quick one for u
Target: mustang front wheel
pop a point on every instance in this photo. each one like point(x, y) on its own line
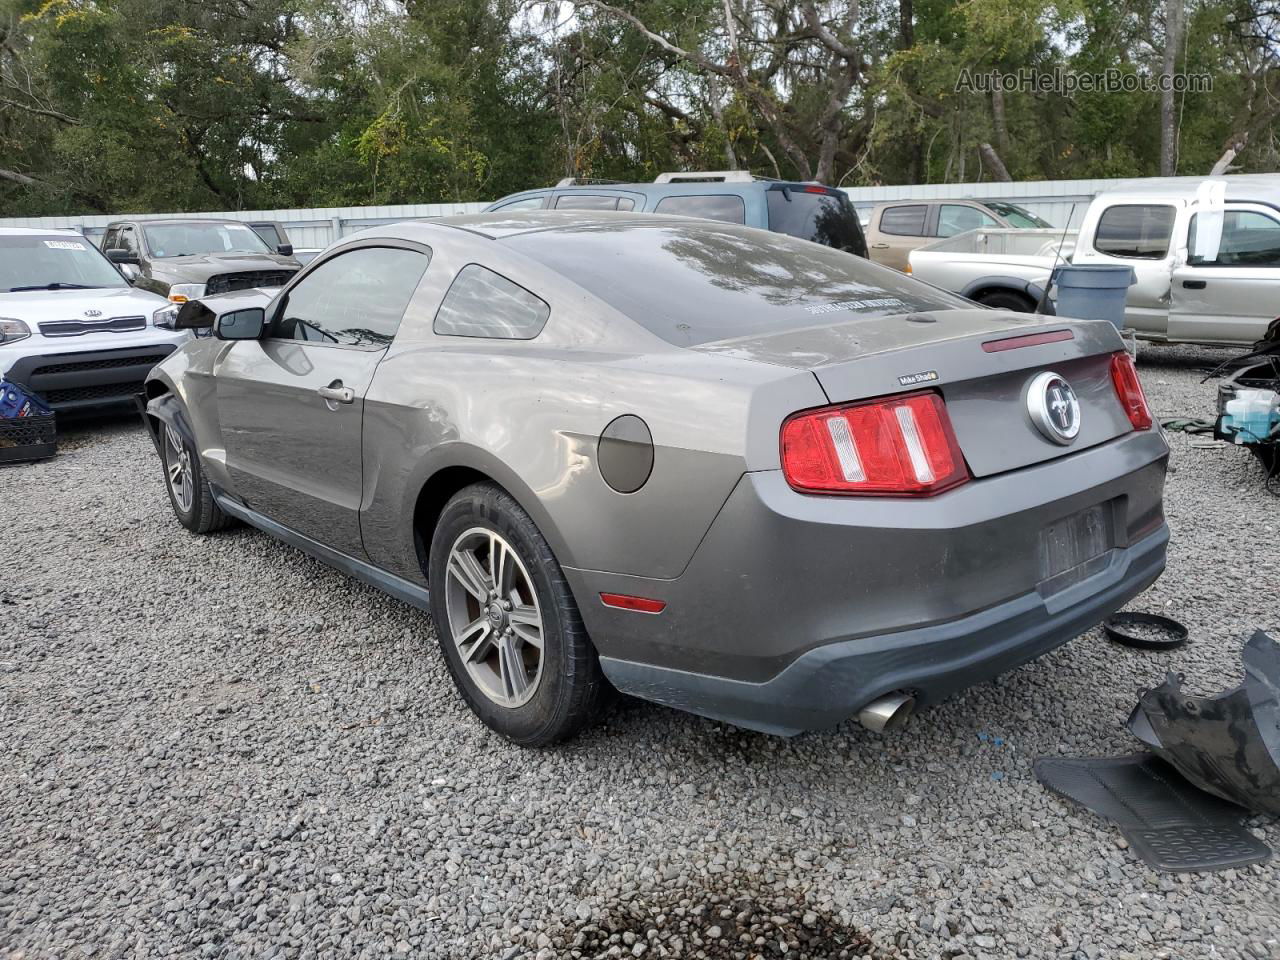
point(189, 492)
point(507, 623)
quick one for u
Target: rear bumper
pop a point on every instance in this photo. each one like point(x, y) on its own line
point(830, 683)
point(795, 611)
point(73, 381)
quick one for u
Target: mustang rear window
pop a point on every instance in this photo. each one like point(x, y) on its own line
point(703, 282)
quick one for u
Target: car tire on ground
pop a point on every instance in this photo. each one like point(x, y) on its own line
point(189, 491)
point(507, 623)
point(1006, 300)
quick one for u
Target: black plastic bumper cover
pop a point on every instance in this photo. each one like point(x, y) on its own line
point(1228, 745)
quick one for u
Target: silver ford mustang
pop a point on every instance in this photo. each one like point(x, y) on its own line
point(721, 469)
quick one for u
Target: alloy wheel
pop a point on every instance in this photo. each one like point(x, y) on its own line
point(495, 619)
point(178, 468)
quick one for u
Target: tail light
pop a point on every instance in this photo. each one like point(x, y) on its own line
point(898, 446)
point(1125, 377)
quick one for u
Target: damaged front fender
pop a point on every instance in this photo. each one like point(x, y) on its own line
point(161, 411)
point(1229, 744)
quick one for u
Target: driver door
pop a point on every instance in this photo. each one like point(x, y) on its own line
point(1231, 294)
point(291, 403)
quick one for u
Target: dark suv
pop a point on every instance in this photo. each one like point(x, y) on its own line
point(191, 258)
point(810, 211)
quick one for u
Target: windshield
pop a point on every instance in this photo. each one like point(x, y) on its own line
point(186, 239)
point(817, 214)
point(1017, 216)
point(700, 282)
point(35, 262)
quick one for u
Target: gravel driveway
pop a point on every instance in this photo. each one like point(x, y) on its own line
point(219, 747)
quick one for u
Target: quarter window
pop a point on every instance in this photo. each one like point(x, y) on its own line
point(726, 207)
point(904, 221)
point(1136, 231)
point(1249, 239)
point(355, 299)
point(956, 218)
point(481, 303)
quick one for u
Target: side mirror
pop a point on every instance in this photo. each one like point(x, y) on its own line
point(130, 271)
point(285, 249)
point(121, 255)
point(240, 324)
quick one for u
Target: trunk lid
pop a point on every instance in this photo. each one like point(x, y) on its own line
point(952, 352)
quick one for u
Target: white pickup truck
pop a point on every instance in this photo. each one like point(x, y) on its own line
point(1206, 256)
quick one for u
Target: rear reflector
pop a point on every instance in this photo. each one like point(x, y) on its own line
point(1129, 389)
point(640, 604)
point(1029, 340)
point(898, 446)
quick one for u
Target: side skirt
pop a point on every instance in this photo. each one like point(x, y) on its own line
point(397, 587)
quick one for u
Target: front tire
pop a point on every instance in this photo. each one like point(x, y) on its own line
point(507, 623)
point(1007, 300)
point(189, 491)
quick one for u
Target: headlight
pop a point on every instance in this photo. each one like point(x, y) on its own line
point(166, 316)
point(11, 331)
point(182, 292)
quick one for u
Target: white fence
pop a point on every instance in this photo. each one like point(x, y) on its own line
point(1061, 202)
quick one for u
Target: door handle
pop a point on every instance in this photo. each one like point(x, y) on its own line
point(879, 246)
point(1194, 284)
point(337, 393)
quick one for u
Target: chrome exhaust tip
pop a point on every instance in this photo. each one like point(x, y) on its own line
point(888, 713)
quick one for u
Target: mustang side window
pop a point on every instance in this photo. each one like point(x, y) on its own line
point(355, 299)
point(481, 303)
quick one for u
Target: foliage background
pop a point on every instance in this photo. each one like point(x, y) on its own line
point(161, 105)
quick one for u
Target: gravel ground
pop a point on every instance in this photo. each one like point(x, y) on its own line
point(219, 747)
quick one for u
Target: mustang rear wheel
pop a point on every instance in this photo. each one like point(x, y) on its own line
point(507, 623)
point(189, 492)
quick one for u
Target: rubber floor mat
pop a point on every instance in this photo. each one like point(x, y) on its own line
point(1172, 825)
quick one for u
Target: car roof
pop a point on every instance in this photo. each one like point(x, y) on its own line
point(148, 221)
point(1264, 187)
point(38, 232)
point(500, 224)
point(972, 201)
point(681, 188)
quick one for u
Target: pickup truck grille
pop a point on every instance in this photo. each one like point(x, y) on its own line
point(228, 282)
point(78, 328)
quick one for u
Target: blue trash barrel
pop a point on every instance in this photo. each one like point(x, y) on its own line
point(1089, 292)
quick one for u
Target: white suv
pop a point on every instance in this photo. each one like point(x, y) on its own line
point(72, 329)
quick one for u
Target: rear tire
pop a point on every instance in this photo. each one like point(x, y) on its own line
point(512, 637)
point(1006, 300)
point(189, 491)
